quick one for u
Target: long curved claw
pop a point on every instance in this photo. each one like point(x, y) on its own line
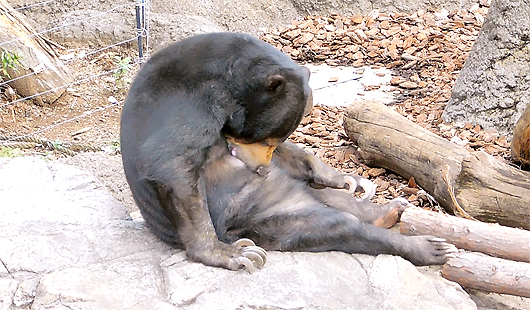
point(256, 249)
point(355, 182)
point(450, 250)
point(369, 189)
point(352, 184)
point(252, 257)
point(247, 263)
point(255, 258)
point(244, 242)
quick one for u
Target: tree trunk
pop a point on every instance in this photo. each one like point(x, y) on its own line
point(493, 88)
point(500, 241)
point(472, 184)
point(521, 138)
point(479, 271)
point(38, 60)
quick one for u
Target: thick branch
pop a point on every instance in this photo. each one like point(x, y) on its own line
point(472, 183)
point(500, 241)
point(479, 271)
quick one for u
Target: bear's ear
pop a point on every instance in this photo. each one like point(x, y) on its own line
point(276, 83)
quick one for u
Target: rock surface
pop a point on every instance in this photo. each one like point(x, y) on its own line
point(112, 21)
point(66, 242)
point(493, 88)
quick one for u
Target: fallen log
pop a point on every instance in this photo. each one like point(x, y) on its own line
point(479, 271)
point(472, 184)
point(500, 241)
point(40, 71)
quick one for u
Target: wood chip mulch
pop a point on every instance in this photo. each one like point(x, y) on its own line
point(425, 50)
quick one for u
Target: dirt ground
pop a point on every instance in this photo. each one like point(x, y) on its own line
point(85, 113)
point(425, 70)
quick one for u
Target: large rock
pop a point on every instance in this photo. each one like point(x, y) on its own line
point(493, 88)
point(66, 243)
point(112, 21)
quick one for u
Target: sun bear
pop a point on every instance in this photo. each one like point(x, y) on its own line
point(203, 141)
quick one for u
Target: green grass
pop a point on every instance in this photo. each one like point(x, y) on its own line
point(10, 152)
point(8, 61)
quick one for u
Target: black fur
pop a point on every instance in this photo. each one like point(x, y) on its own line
point(192, 192)
point(281, 211)
point(183, 101)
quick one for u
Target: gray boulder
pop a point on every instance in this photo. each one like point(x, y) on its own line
point(108, 22)
point(493, 88)
point(67, 243)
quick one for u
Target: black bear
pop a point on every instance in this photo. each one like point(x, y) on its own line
point(203, 135)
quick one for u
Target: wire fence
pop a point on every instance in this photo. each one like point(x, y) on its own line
point(100, 80)
point(34, 5)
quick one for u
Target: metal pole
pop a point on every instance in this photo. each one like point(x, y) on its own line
point(139, 30)
point(145, 24)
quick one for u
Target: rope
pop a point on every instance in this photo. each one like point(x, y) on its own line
point(33, 142)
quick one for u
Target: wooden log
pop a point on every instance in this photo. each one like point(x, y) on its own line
point(520, 147)
point(500, 241)
point(471, 184)
point(38, 60)
point(479, 271)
